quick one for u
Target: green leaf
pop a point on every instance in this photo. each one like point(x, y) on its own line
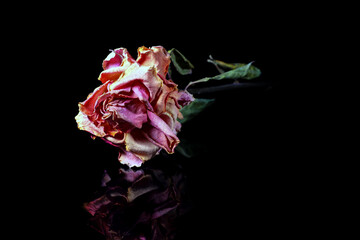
point(182, 65)
point(244, 71)
point(194, 108)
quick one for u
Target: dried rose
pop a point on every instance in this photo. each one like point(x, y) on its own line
point(137, 107)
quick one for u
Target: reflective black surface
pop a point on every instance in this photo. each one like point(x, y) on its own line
point(235, 185)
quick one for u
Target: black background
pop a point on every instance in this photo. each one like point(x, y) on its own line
point(238, 187)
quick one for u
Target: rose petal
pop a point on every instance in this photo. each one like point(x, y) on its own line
point(116, 57)
point(116, 140)
point(160, 133)
point(156, 56)
point(140, 91)
point(146, 75)
point(89, 104)
point(129, 159)
point(85, 124)
point(115, 64)
point(159, 102)
point(111, 74)
point(137, 143)
point(133, 112)
point(185, 98)
point(172, 109)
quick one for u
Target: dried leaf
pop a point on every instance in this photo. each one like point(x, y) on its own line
point(244, 71)
point(194, 108)
point(181, 63)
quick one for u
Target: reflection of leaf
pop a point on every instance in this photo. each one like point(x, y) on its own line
point(190, 149)
point(185, 149)
point(245, 71)
point(194, 108)
point(182, 65)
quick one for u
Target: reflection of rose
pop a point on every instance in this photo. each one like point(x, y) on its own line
point(136, 108)
point(142, 204)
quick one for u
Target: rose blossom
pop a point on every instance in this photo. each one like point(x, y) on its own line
point(136, 108)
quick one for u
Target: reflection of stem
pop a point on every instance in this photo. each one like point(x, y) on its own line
point(225, 87)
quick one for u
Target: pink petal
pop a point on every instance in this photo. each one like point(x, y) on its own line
point(160, 133)
point(129, 159)
point(115, 58)
point(85, 124)
point(115, 64)
point(141, 92)
point(88, 105)
point(185, 98)
point(135, 73)
point(116, 141)
point(159, 102)
point(137, 143)
point(111, 74)
point(156, 56)
point(172, 110)
point(131, 111)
